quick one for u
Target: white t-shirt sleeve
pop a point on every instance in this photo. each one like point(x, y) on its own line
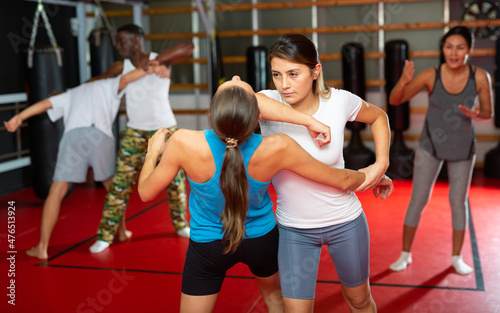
point(273, 94)
point(352, 103)
point(60, 103)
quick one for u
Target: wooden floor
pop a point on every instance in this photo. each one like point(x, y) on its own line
point(144, 274)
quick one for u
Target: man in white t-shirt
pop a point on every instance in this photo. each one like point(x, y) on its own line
point(88, 112)
point(148, 109)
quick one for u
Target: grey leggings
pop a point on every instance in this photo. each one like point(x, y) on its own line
point(425, 173)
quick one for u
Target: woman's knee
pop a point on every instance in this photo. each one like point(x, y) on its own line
point(358, 297)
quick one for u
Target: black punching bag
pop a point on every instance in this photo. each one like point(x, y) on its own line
point(492, 158)
point(102, 51)
point(256, 68)
point(44, 76)
point(400, 156)
point(356, 155)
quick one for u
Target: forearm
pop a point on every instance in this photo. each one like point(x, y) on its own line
point(486, 107)
point(114, 70)
point(35, 109)
point(131, 76)
point(381, 137)
point(294, 158)
point(484, 115)
point(396, 94)
point(145, 188)
point(175, 54)
point(485, 96)
point(354, 180)
point(273, 110)
point(343, 179)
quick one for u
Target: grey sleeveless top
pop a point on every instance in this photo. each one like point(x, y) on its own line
point(448, 134)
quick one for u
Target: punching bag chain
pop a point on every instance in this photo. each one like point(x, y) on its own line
point(40, 10)
point(102, 22)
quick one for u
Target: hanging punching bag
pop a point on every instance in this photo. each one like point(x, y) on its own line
point(497, 85)
point(102, 50)
point(257, 70)
point(356, 155)
point(400, 157)
point(492, 158)
point(256, 67)
point(44, 76)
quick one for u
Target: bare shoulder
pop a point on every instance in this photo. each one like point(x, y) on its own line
point(273, 145)
point(187, 136)
point(276, 141)
point(482, 77)
point(268, 157)
point(429, 73)
point(426, 78)
point(190, 141)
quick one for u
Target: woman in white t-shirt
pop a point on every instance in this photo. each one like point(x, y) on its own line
point(311, 215)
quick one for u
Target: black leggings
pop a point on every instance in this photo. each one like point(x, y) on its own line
point(206, 264)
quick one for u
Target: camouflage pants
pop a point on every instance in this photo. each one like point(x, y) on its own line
point(128, 164)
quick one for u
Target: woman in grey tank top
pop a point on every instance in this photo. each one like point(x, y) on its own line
point(448, 135)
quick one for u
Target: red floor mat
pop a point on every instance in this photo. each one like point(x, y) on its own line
point(144, 274)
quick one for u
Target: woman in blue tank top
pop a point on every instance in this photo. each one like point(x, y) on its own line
point(230, 169)
point(448, 135)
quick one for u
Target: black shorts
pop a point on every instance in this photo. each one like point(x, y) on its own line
point(206, 264)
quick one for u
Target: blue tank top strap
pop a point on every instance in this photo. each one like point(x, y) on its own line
point(219, 148)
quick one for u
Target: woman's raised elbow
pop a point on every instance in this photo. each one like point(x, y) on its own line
point(144, 194)
point(394, 101)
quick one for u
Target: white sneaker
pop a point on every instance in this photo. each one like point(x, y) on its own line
point(460, 266)
point(403, 261)
point(99, 246)
point(184, 232)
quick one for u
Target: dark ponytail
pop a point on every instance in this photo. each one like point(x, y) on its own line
point(234, 116)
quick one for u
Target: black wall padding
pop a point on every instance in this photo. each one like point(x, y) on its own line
point(44, 78)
